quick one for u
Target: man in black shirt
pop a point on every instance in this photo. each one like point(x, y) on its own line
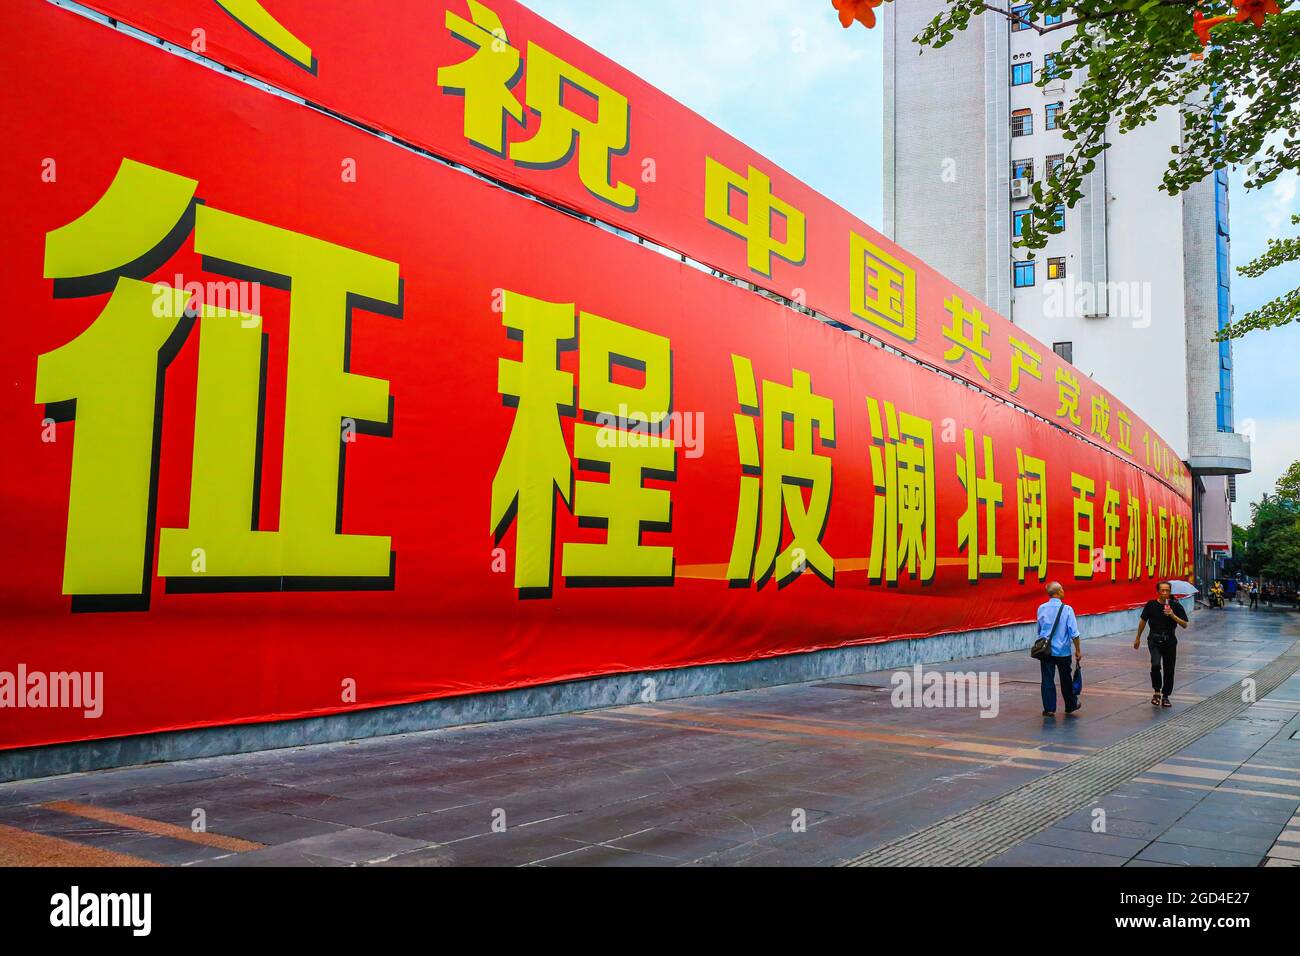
point(1164, 615)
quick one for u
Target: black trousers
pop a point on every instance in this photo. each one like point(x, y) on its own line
point(1164, 655)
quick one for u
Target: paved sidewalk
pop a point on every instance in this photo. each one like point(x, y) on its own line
point(802, 774)
point(1230, 799)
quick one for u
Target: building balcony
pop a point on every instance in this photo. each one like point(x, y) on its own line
point(1219, 453)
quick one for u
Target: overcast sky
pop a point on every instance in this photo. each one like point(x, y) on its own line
point(782, 76)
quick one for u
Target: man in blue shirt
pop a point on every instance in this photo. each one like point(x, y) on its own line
point(1057, 619)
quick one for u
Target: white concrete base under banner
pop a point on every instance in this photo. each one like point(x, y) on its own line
point(610, 691)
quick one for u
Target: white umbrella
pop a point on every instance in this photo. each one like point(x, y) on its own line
point(1182, 589)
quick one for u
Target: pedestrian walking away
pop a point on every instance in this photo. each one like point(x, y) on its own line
point(1056, 620)
point(1163, 616)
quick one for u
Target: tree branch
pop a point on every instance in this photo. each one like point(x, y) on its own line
point(1083, 18)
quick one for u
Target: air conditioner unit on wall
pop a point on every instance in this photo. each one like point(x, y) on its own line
point(1020, 188)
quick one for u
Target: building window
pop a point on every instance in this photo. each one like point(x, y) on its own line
point(1018, 220)
point(1053, 111)
point(1065, 350)
point(1021, 16)
point(1223, 398)
point(1052, 19)
point(1022, 169)
point(1022, 122)
point(1056, 267)
point(1022, 73)
point(1223, 409)
point(1222, 259)
point(1049, 66)
point(1023, 274)
point(1059, 218)
point(1054, 163)
point(1221, 201)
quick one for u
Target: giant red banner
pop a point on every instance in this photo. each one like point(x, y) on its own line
point(299, 421)
point(490, 84)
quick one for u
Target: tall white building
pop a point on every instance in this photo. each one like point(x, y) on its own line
point(1137, 284)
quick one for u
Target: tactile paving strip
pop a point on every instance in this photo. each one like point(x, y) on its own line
point(973, 837)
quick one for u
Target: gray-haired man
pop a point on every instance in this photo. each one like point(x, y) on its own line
point(1057, 619)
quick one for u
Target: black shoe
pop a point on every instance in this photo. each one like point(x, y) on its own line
point(1069, 711)
point(1049, 713)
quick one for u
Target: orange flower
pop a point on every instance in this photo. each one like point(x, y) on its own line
point(861, 10)
point(1255, 10)
point(1202, 27)
point(1252, 11)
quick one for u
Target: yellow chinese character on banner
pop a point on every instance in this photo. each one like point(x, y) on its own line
point(902, 467)
point(1110, 550)
point(988, 491)
point(1125, 439)
point(882, 288)
point(625, 445)
point(487, 79)
point(327, 281)
point(1100, 426)
point(1134, 542)
point(966, 342)
point(1184, 546)
point(757, 228)
point(1181, 542)
point(110, 376)
point(1175, 545)
point(1023, 358)
point(1152, 539)
point(1067, 390)
point(597, 140)
point(1031, 513)
point(771, 487)
point(1164, 542)
point(1084, 523)
point(535, 465)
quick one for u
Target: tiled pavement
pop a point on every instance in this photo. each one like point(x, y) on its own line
point(1230, 799)
point(803, 774)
